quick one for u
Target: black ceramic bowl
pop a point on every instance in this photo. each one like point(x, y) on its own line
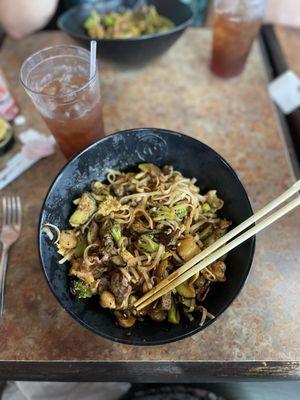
point(125, 150)
point(133, 51)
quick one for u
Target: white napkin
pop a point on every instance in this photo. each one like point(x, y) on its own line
point(285, 91)
point(35, 146)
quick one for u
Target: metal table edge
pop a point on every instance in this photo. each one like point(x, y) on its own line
point(149, 371)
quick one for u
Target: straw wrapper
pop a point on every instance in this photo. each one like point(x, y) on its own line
point(35, 146)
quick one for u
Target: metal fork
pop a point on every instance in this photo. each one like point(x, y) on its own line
point(11, 228)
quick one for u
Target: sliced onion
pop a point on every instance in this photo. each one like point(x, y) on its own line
point(66, 257)
point(205, 314)
point(86, 250)
point(47, 230)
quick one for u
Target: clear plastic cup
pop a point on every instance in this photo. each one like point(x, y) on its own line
point(236, 23)
point(57, 81)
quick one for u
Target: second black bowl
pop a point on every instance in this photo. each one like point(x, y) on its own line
point(134, 51)
point(123, 151)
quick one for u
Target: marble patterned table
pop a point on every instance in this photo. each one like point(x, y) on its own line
point(258, 336)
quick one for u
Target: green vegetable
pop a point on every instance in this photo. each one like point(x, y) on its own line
point(164, 214)
point(206, 233)
point(81, 290)
point(116, 232)
point(85, 209)
point(181, 212)
point(127, 23)
point(206, 207)
point(151, 168)
point(186, 289)
point(108, 20)
point(147, 243)
point(99, 189)
point(80, 247)
point(93, 19)
point(173, 314)
point(165, 22)
point(118, 261)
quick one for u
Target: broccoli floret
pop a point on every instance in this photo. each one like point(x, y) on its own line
point(164, 214)
point(181, 212)
point(147, 243)
point(116, 232)
point(108, 20)
point(92, 20)
point(81, 290)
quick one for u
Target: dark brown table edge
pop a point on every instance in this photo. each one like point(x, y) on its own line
point(149, 371)
point(275, 65)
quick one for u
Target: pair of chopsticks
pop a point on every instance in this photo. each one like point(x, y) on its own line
point(220, 248)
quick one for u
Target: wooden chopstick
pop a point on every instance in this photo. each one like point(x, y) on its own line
point(223, 240)
point(189, 269)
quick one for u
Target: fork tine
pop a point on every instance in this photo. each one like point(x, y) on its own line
point(19, 211)
point(7, 202)
point(9, 210)
point(4, 211)
point(14, 210)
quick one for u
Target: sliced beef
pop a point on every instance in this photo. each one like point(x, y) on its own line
point(165, 301)
point(104, 283)
point(119, 285)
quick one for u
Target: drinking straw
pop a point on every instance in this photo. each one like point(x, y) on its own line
point(93, 53)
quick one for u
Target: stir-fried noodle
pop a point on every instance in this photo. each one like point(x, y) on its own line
point(131, 233)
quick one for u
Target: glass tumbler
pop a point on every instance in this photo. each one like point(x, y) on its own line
point(57, 81)
point(236, 23)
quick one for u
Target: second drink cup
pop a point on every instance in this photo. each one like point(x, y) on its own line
point(236, 23)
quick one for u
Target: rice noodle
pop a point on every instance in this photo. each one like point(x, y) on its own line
point(125, 273)
point(157, 258)
point(146, 277)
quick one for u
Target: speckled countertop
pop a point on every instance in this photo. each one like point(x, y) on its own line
point(235, 118)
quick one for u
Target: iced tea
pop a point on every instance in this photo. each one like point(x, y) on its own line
point(57, 80)
point(234, 31)
point(77, 126)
